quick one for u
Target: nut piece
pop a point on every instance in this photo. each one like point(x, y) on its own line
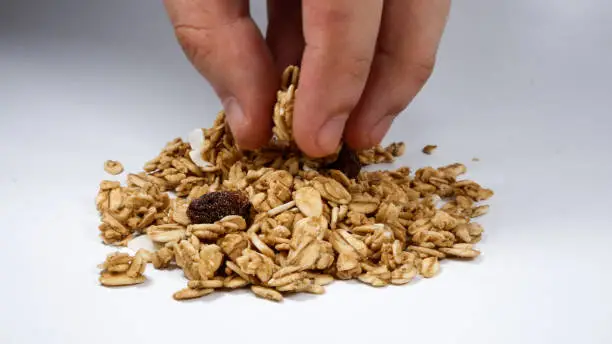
point(113, 167)
point(267, 293)
point(429, 149)
point(214, 206)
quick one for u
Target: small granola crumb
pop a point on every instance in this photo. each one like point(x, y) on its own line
point(121, 269)
point(113, 167)
point(429, 149)
point(475, 159)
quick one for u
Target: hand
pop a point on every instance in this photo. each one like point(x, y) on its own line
point(362, 62)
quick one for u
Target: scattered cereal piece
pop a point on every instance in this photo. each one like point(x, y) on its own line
point(429, 149)
point(267, 293)
point(113, 167)
point(120, 269)
point(347, 162)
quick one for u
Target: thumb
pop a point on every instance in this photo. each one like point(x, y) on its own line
point(227, 48)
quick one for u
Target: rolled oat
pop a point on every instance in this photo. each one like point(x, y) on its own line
point(281, 222)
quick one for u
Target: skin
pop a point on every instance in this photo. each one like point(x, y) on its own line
point(362, 62)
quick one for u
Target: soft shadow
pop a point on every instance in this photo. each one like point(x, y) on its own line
point(147, 283)
point(301, 296)
point(212, 297)
point(474, 261)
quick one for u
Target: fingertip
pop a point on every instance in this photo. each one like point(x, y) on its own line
point(380, 130)
point(248, 133)
point(325, 140)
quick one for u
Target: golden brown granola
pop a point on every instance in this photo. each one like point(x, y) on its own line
point(120, 269)
point(308, 224)
point(429, 149)
point(113, 167)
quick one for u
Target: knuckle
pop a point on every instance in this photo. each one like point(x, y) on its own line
point(421, 70)
point(398, 105)
point(413, 77)
point(358, 67)
point(330, 16)
point(194, 42)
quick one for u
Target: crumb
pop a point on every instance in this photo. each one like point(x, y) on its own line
point(113, 167)
point(429, 149)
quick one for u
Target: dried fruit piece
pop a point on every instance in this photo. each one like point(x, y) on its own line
point(113, 167)
point(214, 206)
point(347, 162)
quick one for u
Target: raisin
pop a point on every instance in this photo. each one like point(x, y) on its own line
point(214, 206)
point(347, 162)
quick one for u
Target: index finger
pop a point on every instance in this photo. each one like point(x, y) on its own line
point(340, 41)
point(226, 47)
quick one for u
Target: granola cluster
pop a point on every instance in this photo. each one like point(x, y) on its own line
point(279, 222)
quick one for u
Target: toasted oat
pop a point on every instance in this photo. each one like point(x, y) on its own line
point(121, 269)
point(308, 201)
point(267, 293)
point(429, 149)
point(110, 279)
point(461, 250)
point(188, 293)
point(113, 167)
point(430, 267)
point(296, 223)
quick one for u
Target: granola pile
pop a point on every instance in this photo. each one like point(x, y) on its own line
point(279, 222)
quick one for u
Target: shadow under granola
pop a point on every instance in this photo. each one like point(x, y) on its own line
point(454, 260)
point(300, 297)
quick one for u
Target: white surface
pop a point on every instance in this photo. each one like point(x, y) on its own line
point(522, 85)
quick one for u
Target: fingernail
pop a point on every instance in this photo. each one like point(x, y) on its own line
point(233, 112)
point(330, 134)
point(380, 130)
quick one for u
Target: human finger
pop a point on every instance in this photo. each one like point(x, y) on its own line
point(407, 44)
point(227, 48)
point(340, 39)
point(284, 34)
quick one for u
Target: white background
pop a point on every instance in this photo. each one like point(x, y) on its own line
point(523, 85)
